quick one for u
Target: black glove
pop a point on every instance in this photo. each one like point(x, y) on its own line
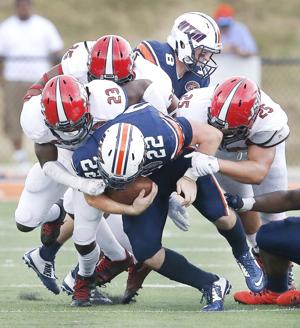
point(234, 201)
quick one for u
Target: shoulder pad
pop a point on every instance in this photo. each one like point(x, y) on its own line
point(269, 138)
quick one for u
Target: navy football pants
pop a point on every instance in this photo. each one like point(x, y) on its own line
point(281, 238)
point(145, 231)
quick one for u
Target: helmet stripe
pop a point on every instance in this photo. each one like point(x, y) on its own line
point(59, 103)
point(109, 57)
point(227, 102)
point(116, 152)
point(213, 24)
point(123, 146)
point(128, 150)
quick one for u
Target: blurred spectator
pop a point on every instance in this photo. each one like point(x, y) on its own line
point(29, 45)
point(235, 37)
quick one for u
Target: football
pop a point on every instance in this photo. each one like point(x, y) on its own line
point(130, 191)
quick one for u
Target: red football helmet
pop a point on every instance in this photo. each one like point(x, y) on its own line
point(111, 58)
point(66, 110)
point(235, 105)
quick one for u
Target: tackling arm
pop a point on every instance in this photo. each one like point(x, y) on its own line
point(47, 156)
point(254, 169)
point(278, 201)
point(143, 89)
point(274, 202)
point(38, 87)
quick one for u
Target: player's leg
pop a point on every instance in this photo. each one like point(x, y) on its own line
point(145, 234)
point(86, 224)
point(279, 244)
point(211, 204)
point(115, 260)
point(276, 180)
point(37, 206)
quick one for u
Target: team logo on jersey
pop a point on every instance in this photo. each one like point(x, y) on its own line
point(190, 85)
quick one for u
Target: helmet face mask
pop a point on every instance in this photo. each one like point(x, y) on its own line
point(66, 110)
point(111, 58)
point(121, 155)
point(195, 38)
point(201, 62)
point(234, 108)
point(73, 133)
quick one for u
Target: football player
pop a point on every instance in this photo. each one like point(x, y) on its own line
point(251, 159)
point(143, 141)
point(278, 242)
point(70, 110)
point(187, 56)
point(111, 58)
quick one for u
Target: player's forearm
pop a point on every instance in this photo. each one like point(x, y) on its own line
point(107, 205)
point(278, 201)
point(60, 174)
point(243, 171)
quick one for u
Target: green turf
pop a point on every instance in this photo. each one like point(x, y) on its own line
point(161, 303)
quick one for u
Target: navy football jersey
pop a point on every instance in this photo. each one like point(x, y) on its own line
point(163, 55)
point(165, 138)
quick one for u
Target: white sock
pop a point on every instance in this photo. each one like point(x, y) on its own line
point(108, 242)
point(252, 240)
point(88, 262)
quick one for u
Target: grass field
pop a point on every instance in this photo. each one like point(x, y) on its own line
point(161, 303)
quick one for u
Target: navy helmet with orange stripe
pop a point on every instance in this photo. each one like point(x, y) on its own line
point(121, 154)
point(195, 37)
point(111, 58)
point(66, 109)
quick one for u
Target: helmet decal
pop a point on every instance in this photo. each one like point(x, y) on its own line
point(194, 33)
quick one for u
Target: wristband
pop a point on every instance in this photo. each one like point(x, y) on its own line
point(189, 174)
point(248, 204)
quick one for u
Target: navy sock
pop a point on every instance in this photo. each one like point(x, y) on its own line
point(48, 253)
point(236, 238)
point(176, 267)
point(277, 284)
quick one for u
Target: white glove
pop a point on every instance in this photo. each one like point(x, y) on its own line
point(203, 164)
point(178, 213)
point(93, 187)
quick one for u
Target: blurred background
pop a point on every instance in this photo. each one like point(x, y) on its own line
point(275, 27)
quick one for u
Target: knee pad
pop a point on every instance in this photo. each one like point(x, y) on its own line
point(84, 234)
point(23, 228)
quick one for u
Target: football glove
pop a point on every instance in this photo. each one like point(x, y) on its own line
point(177, 213)
point(238, 203)
point(203, 164)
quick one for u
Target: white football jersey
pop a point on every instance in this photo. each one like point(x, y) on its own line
point(269, 129)
point(106, 99)
point(144, 69)
point(75, 61)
